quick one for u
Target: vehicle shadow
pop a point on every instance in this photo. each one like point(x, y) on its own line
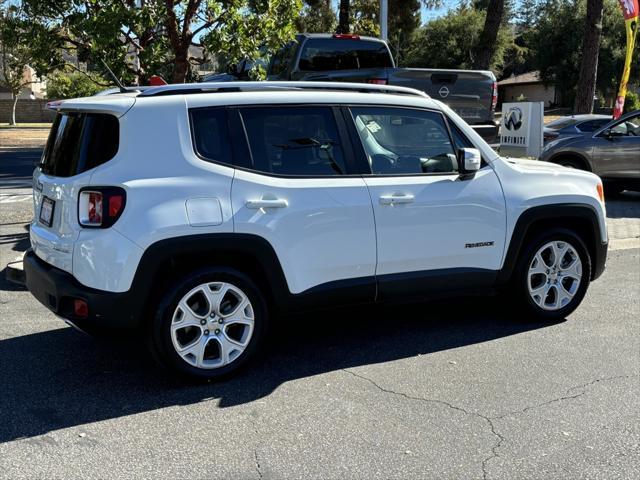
point(62, 378)
point(625, 205)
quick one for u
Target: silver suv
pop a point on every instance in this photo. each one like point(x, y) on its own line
point(612, 152)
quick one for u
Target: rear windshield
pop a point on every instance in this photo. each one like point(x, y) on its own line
point(562, 123)
point(323, 54)
point(78, 142)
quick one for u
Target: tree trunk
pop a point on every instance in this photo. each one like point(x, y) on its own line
point(13, 110)
point(586, 88)
point(343, 17)
point(180, 67)
point(489, 35)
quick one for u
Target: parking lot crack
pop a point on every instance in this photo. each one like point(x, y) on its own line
point(568, 395)
point(256, 458)
point(257, 461)
point(487, 420)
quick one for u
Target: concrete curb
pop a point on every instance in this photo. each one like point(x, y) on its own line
point(624, 243)
point(14, 272)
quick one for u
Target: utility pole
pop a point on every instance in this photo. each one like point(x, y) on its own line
point(384, 10)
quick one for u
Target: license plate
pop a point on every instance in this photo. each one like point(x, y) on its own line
point(46, 211)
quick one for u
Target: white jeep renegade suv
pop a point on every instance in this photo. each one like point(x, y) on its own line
point(195, 212)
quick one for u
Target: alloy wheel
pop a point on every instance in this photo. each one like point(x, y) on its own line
point(212, 325)
point(554, 276)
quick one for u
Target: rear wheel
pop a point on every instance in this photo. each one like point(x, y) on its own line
point(552, 275)
point(571, 163)
point(209, 323)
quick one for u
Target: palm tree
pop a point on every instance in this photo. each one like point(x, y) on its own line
point(586, 87)
point(343, 17)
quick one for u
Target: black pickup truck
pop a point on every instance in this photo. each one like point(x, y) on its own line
point(352, 58)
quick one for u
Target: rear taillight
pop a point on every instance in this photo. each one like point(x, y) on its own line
point(346, 36)
point(377, 81)
point(494, 96)
point(100, 207)
point(550, 136)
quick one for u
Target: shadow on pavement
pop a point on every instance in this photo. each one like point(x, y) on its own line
point(624, 205)
point(16, 167)
point(61, 378)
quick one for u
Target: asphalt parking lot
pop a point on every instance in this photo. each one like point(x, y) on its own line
point(456, 389)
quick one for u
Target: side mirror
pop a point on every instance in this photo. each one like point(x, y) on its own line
point(469, 161)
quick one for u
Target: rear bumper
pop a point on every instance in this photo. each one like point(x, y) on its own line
point(57, 290)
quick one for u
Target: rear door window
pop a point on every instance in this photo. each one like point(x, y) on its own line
point(79, 142)
point(322, 54)
point(294, 141)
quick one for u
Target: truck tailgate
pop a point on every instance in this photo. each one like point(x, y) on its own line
point(468, 92)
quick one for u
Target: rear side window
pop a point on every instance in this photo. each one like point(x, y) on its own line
point(211, 134)
point(79, 142)
point(343, 54)
point(294, 141)
point(281, 60)
point(592, 125)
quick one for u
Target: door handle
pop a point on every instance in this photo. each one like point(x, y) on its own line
point(396, 198)
point(267, 203)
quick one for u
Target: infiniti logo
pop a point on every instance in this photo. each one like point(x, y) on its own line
point(513, 118)
point(444, 92)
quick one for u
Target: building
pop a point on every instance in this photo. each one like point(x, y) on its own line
point(37, 87)
point(527, 87)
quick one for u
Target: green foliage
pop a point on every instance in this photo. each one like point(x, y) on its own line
point(75, 84)
point(140, 39)
point(253, 33)
point(449, 41)
point(632, 101)
point(365, 17)
point(317, 16)
point(558, 55)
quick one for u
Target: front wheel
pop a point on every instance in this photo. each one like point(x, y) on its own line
point(209, 324)
point(552, 275)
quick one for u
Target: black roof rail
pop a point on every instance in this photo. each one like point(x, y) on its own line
point(223, 87)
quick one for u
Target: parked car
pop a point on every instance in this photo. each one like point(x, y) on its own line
point(352, 58)
point(574, 125)
point(196, 213)
point(612, 152)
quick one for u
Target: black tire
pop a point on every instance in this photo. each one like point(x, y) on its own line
point(570, 163)
point(159, 334)
point(520, 291)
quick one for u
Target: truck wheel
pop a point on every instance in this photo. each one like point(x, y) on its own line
point(209, 323)
point(552, 275)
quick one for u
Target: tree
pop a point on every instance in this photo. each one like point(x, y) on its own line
point(343, 17)
point(586, 87)
point(19, 47)
point(487, 41)
point(317, 16)
point(450, 41)
point(140, 38)
point(74, 84)
point(558, 56)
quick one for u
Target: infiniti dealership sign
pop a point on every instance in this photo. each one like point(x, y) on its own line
point(521, 127)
